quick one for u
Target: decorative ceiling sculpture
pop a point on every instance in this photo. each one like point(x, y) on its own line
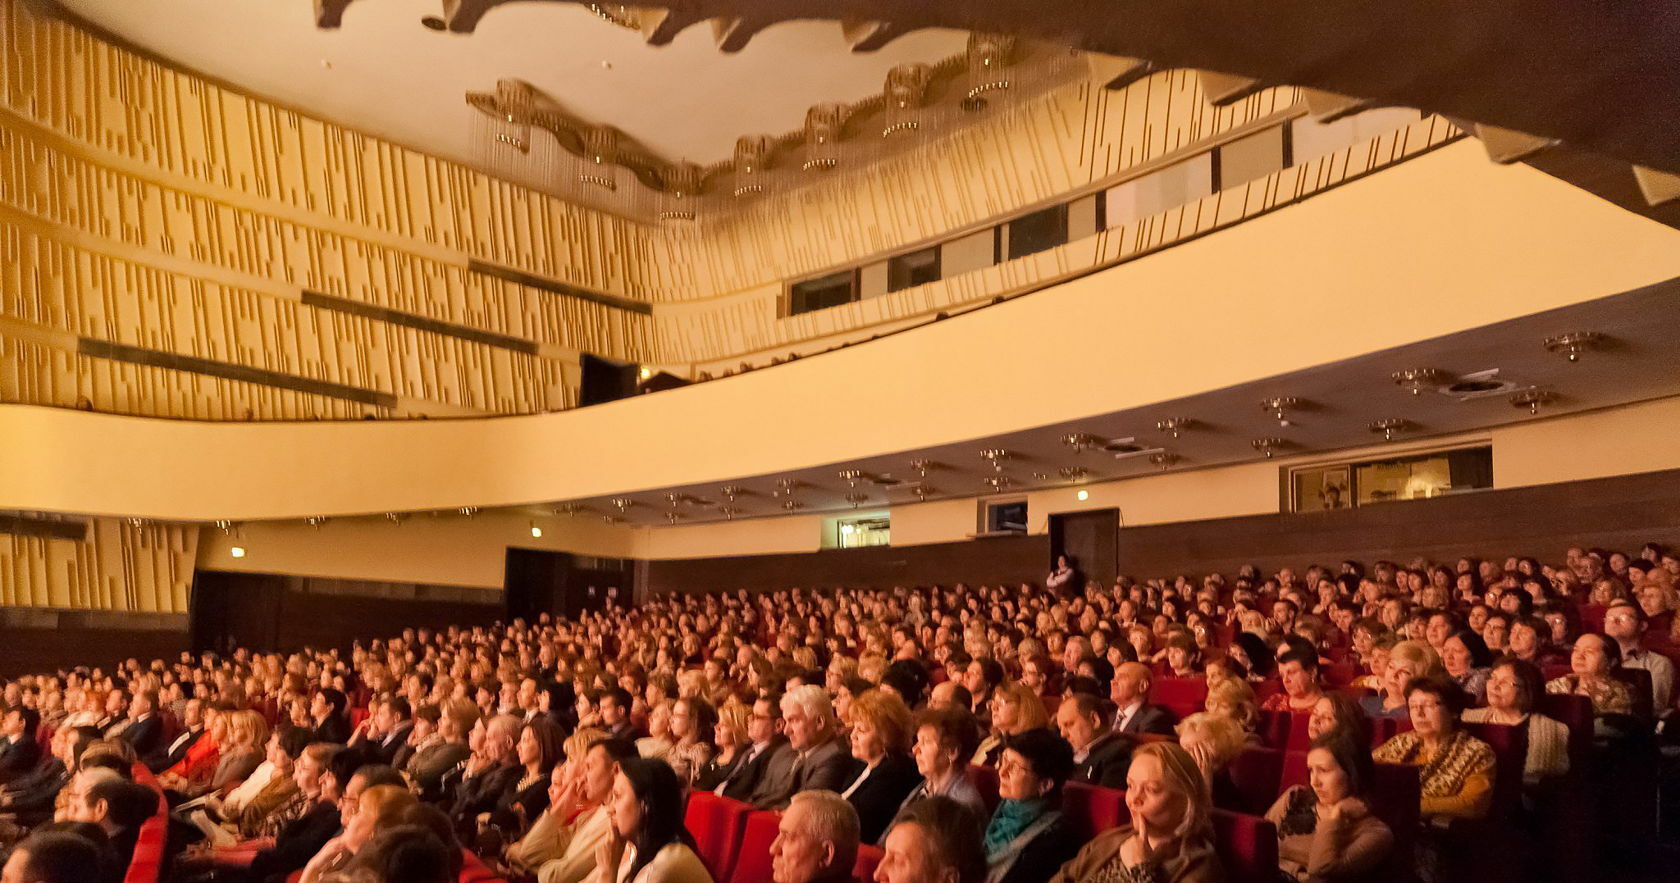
point(1530, 75)
point(918, 102)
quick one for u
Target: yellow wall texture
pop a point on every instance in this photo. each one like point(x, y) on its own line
point(136, 568)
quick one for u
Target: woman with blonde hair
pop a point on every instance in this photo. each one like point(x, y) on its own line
point(1213, 741)
point(880, 739)
point(1170, 837)
point(1015, 708)
point(1408, 660)
point(379, 809)
point(730, 739)
point(242, 752)
point(1234, 698)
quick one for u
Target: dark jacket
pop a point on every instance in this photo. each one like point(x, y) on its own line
point(827, 767)
point(146, 736)
point(1106, 763)
point(170, 753)
point(19, 758)
point(877, 799)
point(334, 729)
point(1151, 719)
point(1036, 854)
point(297, 844)
point(481, 794)
point(769, 777)
point(713, 774)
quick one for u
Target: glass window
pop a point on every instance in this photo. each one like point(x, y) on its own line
point(915, 268)
point(1310, 138)
point(820, 294)
point(1008, 516)
point(1412, 477)
point(870, 530)
point(1043, 229)
point(1160, 190)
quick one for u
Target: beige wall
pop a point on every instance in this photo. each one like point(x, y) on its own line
point(1518, 241)
point(459, 551)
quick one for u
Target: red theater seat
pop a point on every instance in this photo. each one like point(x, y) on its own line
point(147, 862)
point(1256, 772)
point(985, 780)
point(1182, 696)
point(1247, 846)
point(868, 859)
point(752, 860)
point(1091, 809)
point(717, 824)
point(473, 870)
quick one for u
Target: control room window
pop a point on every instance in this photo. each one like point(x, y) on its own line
point(1388, 479)
point(820, 294)
point(1003, 516)
point(915, 268)
point(1043, 229)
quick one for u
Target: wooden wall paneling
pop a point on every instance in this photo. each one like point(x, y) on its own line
point(137, 568)
point(33, 650)
point(987, 561)
point(1620, 513)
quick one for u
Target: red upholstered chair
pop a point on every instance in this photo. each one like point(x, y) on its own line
point(752, 860)
point(1274, 728)
point(474, 870)
point(1340, 674)
point(717, 824)
point(1182, 696)
point(1299, 738)
point(1385, 728)
point(147, 862)
point(868, 859)
point(985, 780)
point(1247, 846)
point(1576, 713)
point(1052, 702)
point(1294, 771)
point(1510, 751)
point(1092, 809)
point(357, 715)
point(1256, 772)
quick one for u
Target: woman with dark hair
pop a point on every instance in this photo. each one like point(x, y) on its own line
point(540, 747)
point(1325, 829)
point(1250, 649)
point(1339, 713)
point(1026, 839)
point(692, 723)
point(1466, 658)
point(1512, 692)
point(327, 715)
point(1455, 768)
point(648, 842)
point(1590, 665)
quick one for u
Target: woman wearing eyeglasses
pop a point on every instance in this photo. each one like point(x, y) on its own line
point(1455, 768)
point(1512, 691)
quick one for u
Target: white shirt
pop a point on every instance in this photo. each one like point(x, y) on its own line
point(1126, 714)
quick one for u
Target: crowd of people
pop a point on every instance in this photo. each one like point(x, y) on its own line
point(562, 751)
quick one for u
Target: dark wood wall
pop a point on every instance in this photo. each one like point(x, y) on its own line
point(268, 612)
point(1622, 512)
point(988, 560)
point(33, 641)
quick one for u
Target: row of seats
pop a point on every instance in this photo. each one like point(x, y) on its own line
point(146, 866)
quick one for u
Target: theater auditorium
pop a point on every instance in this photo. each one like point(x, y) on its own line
point(857, 441)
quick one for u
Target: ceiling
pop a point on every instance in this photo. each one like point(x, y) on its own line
point(1339, 401)
point(382, 72)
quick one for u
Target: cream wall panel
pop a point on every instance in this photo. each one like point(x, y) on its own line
point(1519, 240)
point(1619, 441)
point(119, 566)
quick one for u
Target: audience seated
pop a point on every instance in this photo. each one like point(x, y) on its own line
point(816, 840)
point(933, 841)
point(1326, 830)
point(648, 843)
point(1026, 839)
point(1100, 755)
point(55, 857)
point(1169, 838)
point(1513, 689)
point(818, 700)
point(880, 740)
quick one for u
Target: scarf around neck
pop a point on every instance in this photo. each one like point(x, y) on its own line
point(1012, 817)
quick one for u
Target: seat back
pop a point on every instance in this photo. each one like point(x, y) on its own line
point(1274, 728)
point(1247, 846)
point(1397, 799)
point(868, 859)
point(1510, 752)
point(752, 860)
point(985, 780)
point(1639, 681)
point(716, 824)
point(1256, 772)
point(146, 865)
point(1576, 713)
point(1182, 696)
point(1092, 809)
point(1294, 770)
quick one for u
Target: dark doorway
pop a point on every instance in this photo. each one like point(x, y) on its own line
point(1092, 539)
point(232, 610)
point(562, 584)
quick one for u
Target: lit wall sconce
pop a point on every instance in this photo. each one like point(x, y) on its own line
point(237, 551)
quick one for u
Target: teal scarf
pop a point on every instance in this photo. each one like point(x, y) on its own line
point(1012, 817)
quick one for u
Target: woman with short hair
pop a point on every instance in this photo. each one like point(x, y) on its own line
point(1455, 769)
point(1015, 709)
point(1591, 662)
point(1512, 692)
point(880, 739)
point(1465, 657)
point(1026, 839)
point(1170, 836)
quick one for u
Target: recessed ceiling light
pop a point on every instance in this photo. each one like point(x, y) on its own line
point(1083, 496)
point(237, 551)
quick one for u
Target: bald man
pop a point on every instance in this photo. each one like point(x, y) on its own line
point(1133, 714)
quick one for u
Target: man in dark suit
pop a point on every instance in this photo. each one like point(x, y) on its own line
point(144, 729)
point(1100, 755)
point(769, 760)
point(1133, 714)
point(821, 760)
point(384, 731)
point(19, 752)
point(192, 724)
point(614, 707)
